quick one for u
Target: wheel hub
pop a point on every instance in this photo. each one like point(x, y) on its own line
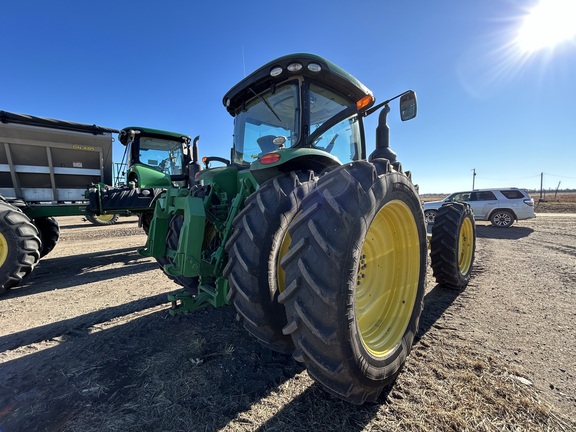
point(387, 278)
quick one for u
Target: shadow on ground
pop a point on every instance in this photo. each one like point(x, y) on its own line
point(81, 269)
point(511, 233)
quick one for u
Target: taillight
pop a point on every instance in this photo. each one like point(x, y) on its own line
point(269, 158)
point(529, 202)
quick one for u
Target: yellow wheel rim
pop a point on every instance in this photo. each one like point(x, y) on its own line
point(3, 249)
point(465, 246)
point(104, 217)
point(387, 278)
point(280, 274)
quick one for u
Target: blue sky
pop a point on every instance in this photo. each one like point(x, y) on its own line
point(483, 104)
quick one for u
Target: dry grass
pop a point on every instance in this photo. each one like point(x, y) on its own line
point(448, 384)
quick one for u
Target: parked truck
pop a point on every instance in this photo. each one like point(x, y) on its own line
point(320, 245)
point(51, 168)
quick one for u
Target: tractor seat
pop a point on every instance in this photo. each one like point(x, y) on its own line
point(266, 144)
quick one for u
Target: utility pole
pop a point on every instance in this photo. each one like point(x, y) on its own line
point(541, 184)
point(473, 177)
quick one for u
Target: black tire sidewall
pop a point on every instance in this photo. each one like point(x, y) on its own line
point(390, 187)
point(322, 267)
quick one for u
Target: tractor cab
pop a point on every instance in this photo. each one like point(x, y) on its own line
point(298, 112)
point(155, 158)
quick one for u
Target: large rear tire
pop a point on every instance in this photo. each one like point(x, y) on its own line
point(453, 245)
point(255, 248)
point(103, 219)
point(355, 273)
point(49, 232)
point(19, 246)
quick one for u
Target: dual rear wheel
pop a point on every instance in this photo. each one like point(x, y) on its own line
point(333, 271)
point(336, 275)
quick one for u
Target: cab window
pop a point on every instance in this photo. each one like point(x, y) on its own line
point(343, 140)
point(271, 114)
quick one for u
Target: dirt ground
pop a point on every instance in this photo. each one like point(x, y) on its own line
point(87, 344)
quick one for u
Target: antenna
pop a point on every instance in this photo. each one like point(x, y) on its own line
point(243, 61)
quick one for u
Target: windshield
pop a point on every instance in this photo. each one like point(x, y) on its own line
point(161, 154)
point(272, 114)
point(342, 140)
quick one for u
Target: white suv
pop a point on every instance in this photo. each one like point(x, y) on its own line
point(499, 206)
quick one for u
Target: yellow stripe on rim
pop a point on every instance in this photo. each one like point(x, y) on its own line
point(465, 246)
point(387, 278)
point(3, 249)
point(280, 273)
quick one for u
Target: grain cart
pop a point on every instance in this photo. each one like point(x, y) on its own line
point(46, 166)
point(321, 248)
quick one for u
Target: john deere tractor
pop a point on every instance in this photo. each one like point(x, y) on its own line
point(321, 248)
point(156, 160)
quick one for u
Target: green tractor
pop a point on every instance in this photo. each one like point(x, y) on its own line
point(321, 248)
point(156, 160)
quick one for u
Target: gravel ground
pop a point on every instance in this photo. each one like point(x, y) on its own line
point(86, 344)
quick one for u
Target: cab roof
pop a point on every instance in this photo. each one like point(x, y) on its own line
point(328, 74)
point(157, 132)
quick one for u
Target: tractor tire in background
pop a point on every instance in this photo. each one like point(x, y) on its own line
point(356, 275)
point(104, 219)
point(49, 232)
point(19, 246)
point(254, 250)
point(453, 245)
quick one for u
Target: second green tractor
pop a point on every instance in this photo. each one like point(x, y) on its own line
point(321, 247)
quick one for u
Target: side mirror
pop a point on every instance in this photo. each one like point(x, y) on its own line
point(408, 106)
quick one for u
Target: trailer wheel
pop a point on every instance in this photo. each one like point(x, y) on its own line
point(103, 219)
point(258, 242)
point(453, 245)
point(49, 233)
point(355, 273)
point(19, 246)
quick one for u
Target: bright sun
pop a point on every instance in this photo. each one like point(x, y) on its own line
point(548, 24)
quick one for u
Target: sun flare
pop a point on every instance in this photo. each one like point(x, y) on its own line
point(547, 24)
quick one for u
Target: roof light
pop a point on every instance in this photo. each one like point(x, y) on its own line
point(294, 67)
point(314, 67)
point(276, 71)
point(364, 102)
point(269, 158)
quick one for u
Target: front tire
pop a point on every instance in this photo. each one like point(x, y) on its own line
point(172, 239)
point(356, 270)
point(453, 245)
point(19, 246)
point(255, 248)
